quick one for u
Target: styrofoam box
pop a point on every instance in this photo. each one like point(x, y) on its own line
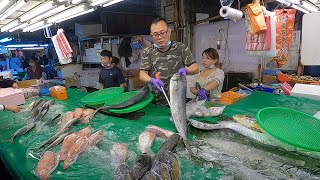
point(11, 96)
point(306, 91)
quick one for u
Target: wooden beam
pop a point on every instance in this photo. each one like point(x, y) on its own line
point(207, 19)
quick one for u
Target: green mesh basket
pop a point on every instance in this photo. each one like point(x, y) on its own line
point(292, 127)
point(100, 97)
point(126, 96)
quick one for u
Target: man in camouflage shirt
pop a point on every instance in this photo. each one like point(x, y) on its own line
point(165, 57)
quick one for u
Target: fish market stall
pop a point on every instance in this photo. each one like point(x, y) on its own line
point(218, 152)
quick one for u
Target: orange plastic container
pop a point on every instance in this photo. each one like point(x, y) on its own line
point(230, 97)
point(59, 92)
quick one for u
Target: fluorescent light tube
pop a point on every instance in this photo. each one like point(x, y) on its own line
point(299, 9)
point(21, 45)
point(41, 27)
point(19, 27)
point(67, 13)
point(6, 39)
point(10, 25)
point(4, 3)
point(111, 3)
point(98, 2)
point(49, 13)
point(76, 15)
point(32, 48)
point(284, 2)
point(12, 9)
point(76, 1)
point(309, 7)
point(42, 8)
point(33, 26)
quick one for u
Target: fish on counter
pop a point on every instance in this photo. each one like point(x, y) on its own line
point(86, 116)
point(95, 138)
point(141, 165)
point(178, 94)
point(50, 140)
point(168, 145)
point(55, 142)
point(151, 175)
point(162, 133)
point(118, 153)
point(67, 144)
point(145, 141)
point(122, 173)
point(75, 151)
point(171, 160)
point(46, 165)
point(247, 121)
point(65, 118)
point(77, 112)
point(68, 124)
point(85, 131)
point(52, 119)
point(161, 169)
point(143, 92)
point(22, 131)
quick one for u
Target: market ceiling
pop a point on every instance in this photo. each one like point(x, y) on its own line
point(18, 16)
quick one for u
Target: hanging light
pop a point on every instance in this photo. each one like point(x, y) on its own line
point(76, 15)
point(19, 27)
point(49, 13)
point(10, 25)
point(12, 9)
point(41, 27)
point(4, 3)
point(37, 10)
point(33, 26)
point(111, 3)
point(309, 7)
point(67, 13)
point(98, 2)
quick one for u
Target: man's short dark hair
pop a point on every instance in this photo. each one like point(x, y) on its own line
point(106, 53)
point(158, 19)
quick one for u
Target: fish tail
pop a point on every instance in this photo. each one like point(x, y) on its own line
point(187, 144)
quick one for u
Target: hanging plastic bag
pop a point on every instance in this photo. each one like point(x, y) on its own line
point(272, 51)
point(261, 40)
point(284, 28)
point(255, 15)
point(62, 47)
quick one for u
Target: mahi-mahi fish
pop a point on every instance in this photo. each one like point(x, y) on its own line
point(143, 92)
point(178, 92)
point(22, 131)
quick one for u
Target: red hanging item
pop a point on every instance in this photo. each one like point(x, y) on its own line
point(259, 41)
point(285, 27)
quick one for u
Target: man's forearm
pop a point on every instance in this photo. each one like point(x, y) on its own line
point(193, 69)
point(144, 76)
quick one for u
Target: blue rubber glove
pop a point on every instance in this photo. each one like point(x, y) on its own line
point(157, 83)
point(183, 71)
point(202, 93)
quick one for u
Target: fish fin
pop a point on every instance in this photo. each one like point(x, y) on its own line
point(187, 144)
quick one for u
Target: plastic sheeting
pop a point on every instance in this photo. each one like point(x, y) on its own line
point(95, 162)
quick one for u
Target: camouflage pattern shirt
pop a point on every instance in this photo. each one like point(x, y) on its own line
point(167, 64)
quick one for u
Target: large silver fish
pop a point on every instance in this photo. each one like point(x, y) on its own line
point(22, 131)
point(55, 142)
point(178, 92)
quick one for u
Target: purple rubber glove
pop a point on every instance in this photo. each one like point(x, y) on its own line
point(183, 71)
point(202, 94)
point(157, 83)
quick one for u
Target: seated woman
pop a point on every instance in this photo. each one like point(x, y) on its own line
point(208, 83)
point(34, 71)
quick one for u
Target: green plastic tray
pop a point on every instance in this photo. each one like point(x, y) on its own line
point(100, 97)
point(125, 96)
point(292, 127)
